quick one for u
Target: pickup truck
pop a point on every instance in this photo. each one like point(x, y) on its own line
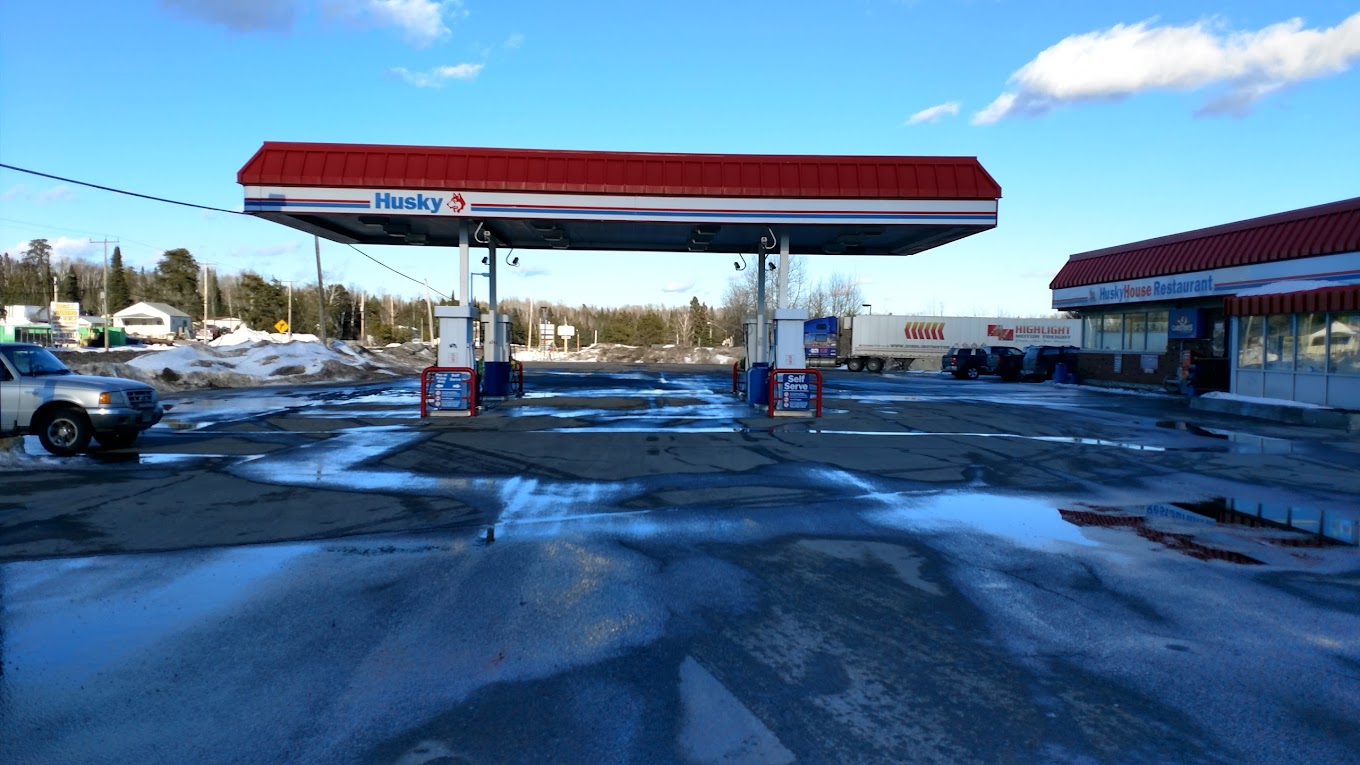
point(40, 396)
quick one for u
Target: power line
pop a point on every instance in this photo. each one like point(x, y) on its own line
point(120, 191)
point(421, 282)
point(395, 271)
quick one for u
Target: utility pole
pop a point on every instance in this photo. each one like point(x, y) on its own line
point(429, 308)
point(205, 266)
point(106, 241)
point(320, 291)
point(290, 310)
point(363, 318)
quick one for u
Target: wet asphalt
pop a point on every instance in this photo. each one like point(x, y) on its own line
point(627, 565)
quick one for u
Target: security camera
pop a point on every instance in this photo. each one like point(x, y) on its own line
point(513, 261)
point(486, 260)
point(771, 266)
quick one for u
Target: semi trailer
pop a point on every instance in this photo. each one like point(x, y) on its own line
point(875, 342)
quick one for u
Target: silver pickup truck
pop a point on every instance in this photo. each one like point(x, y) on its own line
point(39, 395)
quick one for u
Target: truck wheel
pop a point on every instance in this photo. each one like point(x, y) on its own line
point(971, 373)
point(854, 365)
point(65, 431)
point(118, 440)
point(874, 365)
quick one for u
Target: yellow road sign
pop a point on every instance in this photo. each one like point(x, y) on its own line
point(281, 326)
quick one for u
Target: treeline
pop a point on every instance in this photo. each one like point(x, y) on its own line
point(350, 313)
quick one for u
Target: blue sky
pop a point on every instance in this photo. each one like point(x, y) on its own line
point(1103, 122)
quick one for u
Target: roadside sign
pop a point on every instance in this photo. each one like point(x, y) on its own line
point(281, 326)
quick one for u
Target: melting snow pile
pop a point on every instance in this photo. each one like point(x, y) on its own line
point(246, 358)
point(653, 354)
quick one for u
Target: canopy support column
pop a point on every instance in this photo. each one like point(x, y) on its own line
point(783, 270)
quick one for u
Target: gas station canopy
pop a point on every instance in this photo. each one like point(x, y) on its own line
point(592, 200)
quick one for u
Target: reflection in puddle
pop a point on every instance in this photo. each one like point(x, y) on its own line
point(1246, 442)
point(1049, 439)
point(134, 600)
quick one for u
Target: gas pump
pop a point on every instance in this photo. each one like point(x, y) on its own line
point(788, 338)
point(757, 360)
point(496, 357)
point(455, 336)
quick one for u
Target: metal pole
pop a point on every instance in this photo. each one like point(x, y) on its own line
point(290, 310)
point(784, 270)
point(464, 271)
point(106, 242)
point(429, 308)
point(320, 292)
point(759, 356)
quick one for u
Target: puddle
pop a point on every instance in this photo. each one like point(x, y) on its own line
point(1049, 439)
point(135, 601)
point(1245, 442)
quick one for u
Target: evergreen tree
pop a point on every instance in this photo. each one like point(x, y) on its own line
point(262, 304)
point(36, 273)
point(70, 286)
point(176, 282)
point(120, 296)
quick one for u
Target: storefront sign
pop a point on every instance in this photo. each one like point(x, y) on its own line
point(1186, 324)
point(1217, 282)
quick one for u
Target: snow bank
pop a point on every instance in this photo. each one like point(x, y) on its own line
point(243, 336)
point(615, 353)
point(1269, 401)
point(250, 359)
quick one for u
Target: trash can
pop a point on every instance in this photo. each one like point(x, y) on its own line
point(1060, 372)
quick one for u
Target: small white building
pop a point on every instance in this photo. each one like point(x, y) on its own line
point(154, 320)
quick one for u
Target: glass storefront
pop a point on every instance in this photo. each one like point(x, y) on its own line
point(1316, 343)
point(1134, 331)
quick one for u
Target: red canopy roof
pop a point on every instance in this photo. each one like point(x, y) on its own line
point(607, 172)
point(1323, 230)
point(1341, 298)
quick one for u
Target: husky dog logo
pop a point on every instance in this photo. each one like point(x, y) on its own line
point(456, 202)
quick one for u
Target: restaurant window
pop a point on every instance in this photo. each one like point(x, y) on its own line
point(1135, 332)
point(1250, 341)
point(1345, 343)
point(1156, 330)
point(1111, 331)
point(1090, 332)
point(1312, 348)
point(1279, 342)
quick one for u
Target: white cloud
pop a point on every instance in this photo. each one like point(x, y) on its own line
point(531, 271)
point(679, 286)
point(60, 193)
point(435, 78)
point(15, 192)
point(514, 41)
point(63, 248)
point(421, 21)
point(934, 113)
point(1127, 59)
point(239, 15)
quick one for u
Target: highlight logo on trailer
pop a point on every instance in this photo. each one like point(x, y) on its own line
point(1001, 333)
point(924, 330)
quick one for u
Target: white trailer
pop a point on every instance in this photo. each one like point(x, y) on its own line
point(878, 341)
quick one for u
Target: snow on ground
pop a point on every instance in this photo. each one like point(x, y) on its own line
point(252, 359)
point(653, 354)
point(1268, 401)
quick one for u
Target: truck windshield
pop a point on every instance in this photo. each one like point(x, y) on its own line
point(34, 361)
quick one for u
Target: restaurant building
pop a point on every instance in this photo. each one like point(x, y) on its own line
point(1267, 307)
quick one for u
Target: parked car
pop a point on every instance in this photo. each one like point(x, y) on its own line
point(1005, 360)
point(1040, 360)
point(39, 395)
point(987, 360)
